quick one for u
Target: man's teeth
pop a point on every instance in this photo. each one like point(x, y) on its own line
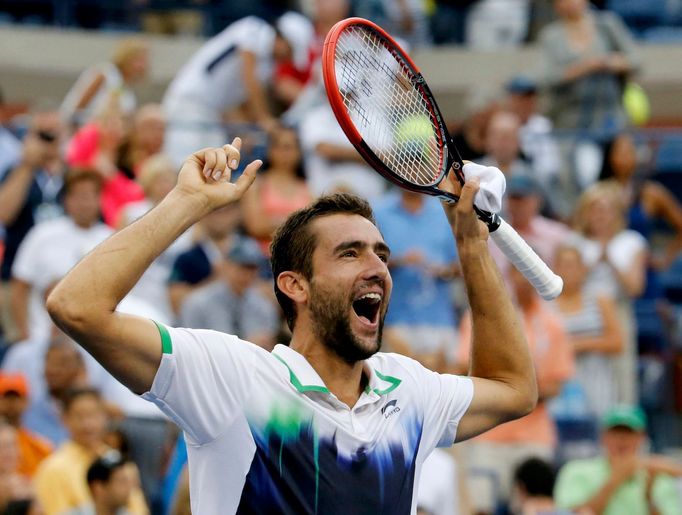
point(371, 296)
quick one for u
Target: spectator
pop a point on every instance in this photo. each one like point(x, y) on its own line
point(14, 398)
point(279, 190)
point(536, 141)
point(226, 80)
point(10, 146)
point(524, 200)
point(145, 139)
point(591, 321)
point(587, 54)
point(52, 248)
point(448, 21)
point(108, 82)
point(502, 145)
point(63, 371)
point(157, 176)
point(403, 19)
point(13, 485)
point(624, 479)
point(96, 146)
point(60, 481)
point(422, 320)
point(111, 483)
point(534, 482)
point(470, 136)
point(233, 304)
point(199, 264)
point(646, 201)
point(438, 485)
point(501, 449)
point(495, 24)
point(332, 163)
point(616, 259)
point(28, 194)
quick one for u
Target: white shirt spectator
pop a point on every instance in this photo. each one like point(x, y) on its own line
point(50, 250)
point(438, 484)
point(326, 175)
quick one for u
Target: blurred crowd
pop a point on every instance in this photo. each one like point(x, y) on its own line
point(580, 190)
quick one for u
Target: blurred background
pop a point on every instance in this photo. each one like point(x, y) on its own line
point(577, 102)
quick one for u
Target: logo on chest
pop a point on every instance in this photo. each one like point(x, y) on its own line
point(390, 409)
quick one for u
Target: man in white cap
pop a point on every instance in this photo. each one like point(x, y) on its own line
point(227, 80)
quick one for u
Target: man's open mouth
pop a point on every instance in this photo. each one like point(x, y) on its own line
point(367, 307)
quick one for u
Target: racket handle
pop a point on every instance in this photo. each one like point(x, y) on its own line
point(526, 261)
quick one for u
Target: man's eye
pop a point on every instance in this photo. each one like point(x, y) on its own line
point(349, 253)
point(384, 257)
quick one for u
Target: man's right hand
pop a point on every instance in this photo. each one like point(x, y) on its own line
point(463, 219)
point(205, 176)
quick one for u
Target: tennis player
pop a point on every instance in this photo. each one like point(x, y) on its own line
point(328, 424)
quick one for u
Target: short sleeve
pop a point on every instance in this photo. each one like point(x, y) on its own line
point(203, 380)
point(446, 400)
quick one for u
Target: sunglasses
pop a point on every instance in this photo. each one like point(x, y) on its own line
point(46, 136)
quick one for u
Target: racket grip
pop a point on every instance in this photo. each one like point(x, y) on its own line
point(526, 261)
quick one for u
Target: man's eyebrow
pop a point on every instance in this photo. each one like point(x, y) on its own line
point(359, 245)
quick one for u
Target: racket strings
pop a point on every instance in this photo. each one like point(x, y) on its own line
point(387, 108)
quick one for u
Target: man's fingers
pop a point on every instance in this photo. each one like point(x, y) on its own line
point(466, 198)
point(247, 177)
point(209, 158)
point(233, 152)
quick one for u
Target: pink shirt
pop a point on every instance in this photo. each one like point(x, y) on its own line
point(117, 191)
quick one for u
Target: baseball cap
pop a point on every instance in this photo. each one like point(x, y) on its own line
point(521, 85)
point(13, 383)
point(632, 417)
point(521, 185)
point(246, 252)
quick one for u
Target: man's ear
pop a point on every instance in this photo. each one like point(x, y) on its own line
point(294, 286)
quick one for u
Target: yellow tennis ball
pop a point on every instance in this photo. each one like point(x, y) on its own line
point(636, 104)
point(415, 138)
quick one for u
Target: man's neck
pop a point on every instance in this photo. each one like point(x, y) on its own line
point(344, 380)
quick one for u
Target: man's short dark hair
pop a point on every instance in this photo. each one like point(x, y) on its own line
point(103, 467)
point(536, 476)
point(293, 244)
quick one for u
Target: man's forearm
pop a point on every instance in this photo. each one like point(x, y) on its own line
point(19, 293)
point(98, 283)
point(499, 348)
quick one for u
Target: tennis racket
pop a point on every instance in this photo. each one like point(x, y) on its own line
point(387, 111)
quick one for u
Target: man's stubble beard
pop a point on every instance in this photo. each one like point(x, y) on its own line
point(331, 325)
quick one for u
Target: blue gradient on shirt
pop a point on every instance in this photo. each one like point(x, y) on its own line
point(295, 471)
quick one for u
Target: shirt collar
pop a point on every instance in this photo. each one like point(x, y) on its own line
point(305, 379)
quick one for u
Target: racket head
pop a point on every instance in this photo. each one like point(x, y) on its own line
point(385, 107)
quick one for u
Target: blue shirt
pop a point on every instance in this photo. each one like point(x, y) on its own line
point(418, 298)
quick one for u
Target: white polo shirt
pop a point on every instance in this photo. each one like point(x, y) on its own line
point(264, 435)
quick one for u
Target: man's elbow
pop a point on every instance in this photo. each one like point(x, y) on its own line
point(65, 312)
point(526, 400)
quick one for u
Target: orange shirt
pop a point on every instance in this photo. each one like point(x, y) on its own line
point(552, 356)
point(32, 450)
